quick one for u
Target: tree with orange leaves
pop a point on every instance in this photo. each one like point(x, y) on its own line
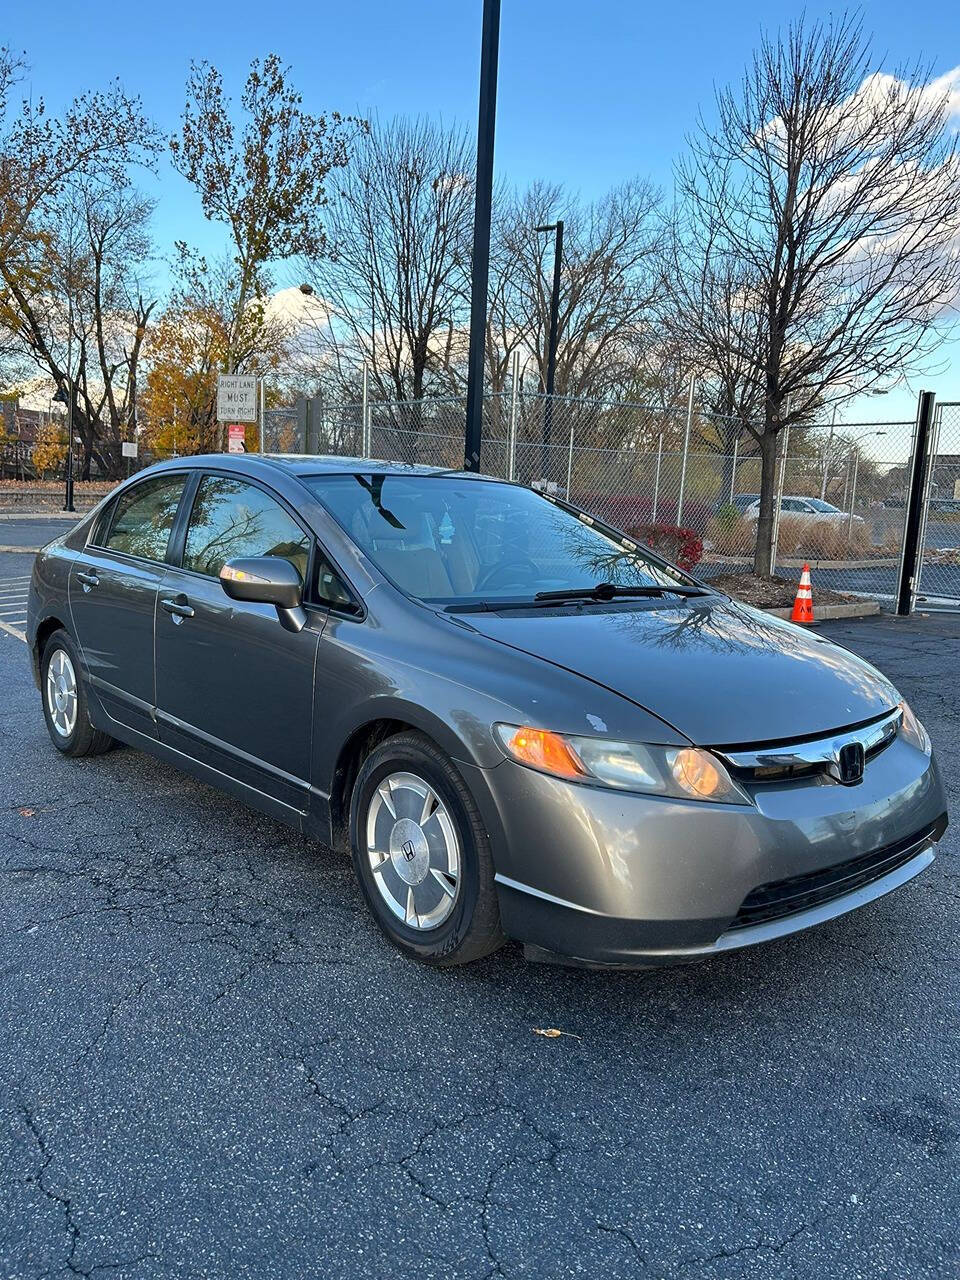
point(198, 333)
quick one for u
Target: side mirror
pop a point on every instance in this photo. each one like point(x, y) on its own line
point(267, 580)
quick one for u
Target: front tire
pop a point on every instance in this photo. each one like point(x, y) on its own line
point(65, 700)
point(422, 855)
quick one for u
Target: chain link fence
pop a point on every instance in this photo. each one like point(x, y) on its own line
point(683, 473)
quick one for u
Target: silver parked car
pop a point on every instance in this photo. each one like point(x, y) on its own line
point(806, 509)
point(523, 723)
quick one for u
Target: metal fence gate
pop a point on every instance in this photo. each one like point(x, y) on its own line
point(938, 574)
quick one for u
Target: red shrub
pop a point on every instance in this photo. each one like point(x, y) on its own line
point(683, 546)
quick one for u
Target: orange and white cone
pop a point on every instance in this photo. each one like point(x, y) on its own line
point(803, 605)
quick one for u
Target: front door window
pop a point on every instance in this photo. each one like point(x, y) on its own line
point(231, 518)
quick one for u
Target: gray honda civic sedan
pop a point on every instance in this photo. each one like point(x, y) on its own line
point(523, 723)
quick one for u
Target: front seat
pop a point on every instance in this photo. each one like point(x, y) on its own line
point(406, 552)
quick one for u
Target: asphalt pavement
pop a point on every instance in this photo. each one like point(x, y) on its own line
point(33, 531)
point(212, 1064)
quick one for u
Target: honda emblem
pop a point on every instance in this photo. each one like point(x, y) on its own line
point(850, 763)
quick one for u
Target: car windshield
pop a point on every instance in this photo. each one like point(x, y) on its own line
point(447, 539)
point(818, 504)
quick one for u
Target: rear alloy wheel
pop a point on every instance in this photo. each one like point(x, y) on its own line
point(65, 701)
point(422, 855)
point(62, 694)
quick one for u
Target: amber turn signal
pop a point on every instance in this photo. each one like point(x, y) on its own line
point(544, 750)
point(697, 773)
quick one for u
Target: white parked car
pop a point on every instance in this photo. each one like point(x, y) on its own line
point(804, 509)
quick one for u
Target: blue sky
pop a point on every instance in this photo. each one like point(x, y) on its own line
point(591, 93)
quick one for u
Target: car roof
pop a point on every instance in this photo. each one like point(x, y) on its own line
point(304, 465)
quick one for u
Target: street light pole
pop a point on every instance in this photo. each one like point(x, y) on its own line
point(483, 208)
point(854, 449)
point(826, 456)
point(68, 498)
point(556, 227)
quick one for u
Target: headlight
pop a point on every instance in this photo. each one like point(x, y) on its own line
point(913, 730)
point(685, 772)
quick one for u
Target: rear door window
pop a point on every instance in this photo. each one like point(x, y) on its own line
point(143, 517)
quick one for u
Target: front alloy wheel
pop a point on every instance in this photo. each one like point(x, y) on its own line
point(413, 851)
point(421, 853)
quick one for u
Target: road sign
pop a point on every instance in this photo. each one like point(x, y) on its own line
point(236, 397)
point(236, 434)
point(128, 449)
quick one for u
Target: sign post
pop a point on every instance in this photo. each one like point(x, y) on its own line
point(128, 450)
point(236, 398)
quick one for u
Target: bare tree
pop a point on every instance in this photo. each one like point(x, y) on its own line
point(608, 283)
point(76, 302)
point(813, 245)
point(509, 320)
point(394, 282)
point(99, 135)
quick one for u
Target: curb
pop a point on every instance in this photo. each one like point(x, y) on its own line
point(824, 612)
point(7, 513)
point(26, 551)
point(792, 562)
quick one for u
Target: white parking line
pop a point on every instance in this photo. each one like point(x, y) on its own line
point(13, 606)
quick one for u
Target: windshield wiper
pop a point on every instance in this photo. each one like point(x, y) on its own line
point(607, 591)
point(604, 591)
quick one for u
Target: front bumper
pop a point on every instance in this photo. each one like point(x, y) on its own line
point(610, 878)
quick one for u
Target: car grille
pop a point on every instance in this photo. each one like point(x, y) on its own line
point(785, 761)
point(786, 897)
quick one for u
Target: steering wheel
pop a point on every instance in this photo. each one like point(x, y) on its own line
point(491, 575)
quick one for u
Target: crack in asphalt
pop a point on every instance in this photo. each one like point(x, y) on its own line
point(65, 1202)
point(100, 1035)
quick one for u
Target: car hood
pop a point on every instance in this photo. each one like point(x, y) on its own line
point(719, 672)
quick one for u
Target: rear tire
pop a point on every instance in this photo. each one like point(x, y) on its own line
point(65, 700)
point(422, 855)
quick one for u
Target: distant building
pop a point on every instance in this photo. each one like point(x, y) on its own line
point(20, 423)
point(945, 481)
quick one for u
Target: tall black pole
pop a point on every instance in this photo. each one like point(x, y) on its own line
point(483, 208)
point(920, 464)
point(71, 395)
point(552, 339)
point(68, 502)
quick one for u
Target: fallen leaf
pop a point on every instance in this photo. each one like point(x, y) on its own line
point(552, 1032)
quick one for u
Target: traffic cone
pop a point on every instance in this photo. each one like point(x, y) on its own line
point(803, 605)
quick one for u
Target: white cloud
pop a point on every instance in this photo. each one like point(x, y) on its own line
point(293, 308)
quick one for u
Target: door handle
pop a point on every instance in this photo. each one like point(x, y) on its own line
point(88, 580)
point(178, 607)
